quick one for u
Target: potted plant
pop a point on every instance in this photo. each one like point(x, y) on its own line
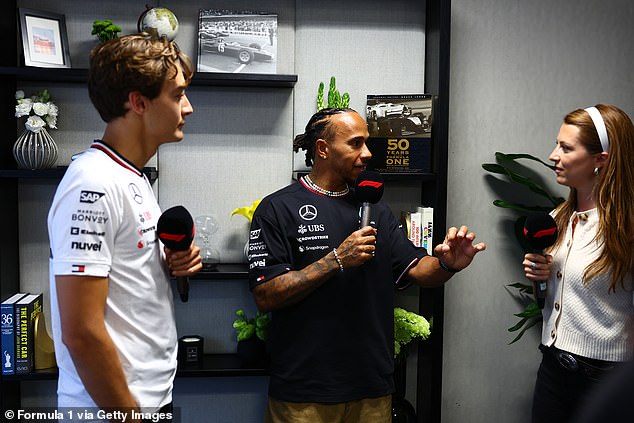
point(105, 30)
point(335, 99)
point(507, 165)
point(35, 148)
point(251, 334)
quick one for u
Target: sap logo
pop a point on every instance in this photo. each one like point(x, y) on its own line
point(90, 196)
point(88, 218)
point(86, 246)
point(316, 228)
point(254, 234)
point(257, 263)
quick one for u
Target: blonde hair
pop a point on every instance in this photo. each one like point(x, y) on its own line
point(614, 192)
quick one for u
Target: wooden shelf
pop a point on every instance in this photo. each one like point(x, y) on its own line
point(58, 173)
point(213, 365)
point(209, 79)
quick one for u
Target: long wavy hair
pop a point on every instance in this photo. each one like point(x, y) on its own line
point(613, 191)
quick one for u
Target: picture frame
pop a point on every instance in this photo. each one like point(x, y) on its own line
point(44, 39)
point(237, 41)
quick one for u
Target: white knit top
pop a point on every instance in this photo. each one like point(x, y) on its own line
point(587, 319)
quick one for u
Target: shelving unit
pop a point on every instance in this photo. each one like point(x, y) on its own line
point(433, 192)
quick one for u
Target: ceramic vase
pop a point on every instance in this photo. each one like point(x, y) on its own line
point(35, 150)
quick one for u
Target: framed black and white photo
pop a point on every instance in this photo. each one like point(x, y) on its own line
point(44, 39)
point(237, 41)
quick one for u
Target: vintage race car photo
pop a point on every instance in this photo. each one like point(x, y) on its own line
point(246, 53)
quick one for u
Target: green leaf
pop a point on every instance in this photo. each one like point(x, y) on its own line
point(521, 207)
point(531, 310)
point(518, 325)
point(529, 324)
point(512, 157)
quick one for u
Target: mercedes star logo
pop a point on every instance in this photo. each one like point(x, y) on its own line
point(136, 193)
point(308, 212)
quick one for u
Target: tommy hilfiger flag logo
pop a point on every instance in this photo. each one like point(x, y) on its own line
point(78, 268)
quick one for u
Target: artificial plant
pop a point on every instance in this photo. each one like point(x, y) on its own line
point(247, 327)
point(105, 30)
point(507, 165)
point(335, 99)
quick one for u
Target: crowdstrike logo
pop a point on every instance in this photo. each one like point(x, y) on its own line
point(308, 212)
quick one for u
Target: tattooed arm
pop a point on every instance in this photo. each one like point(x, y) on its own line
point(293, 286)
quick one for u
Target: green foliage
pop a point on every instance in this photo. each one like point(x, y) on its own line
point(247, 327)
point(408, 326)
point(105, 30)
point(335, 99)
point(505, 166)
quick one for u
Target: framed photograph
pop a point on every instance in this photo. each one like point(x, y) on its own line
point(44, 39)
point(237, 41)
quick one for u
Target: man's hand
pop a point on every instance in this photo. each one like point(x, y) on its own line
point(457, 250)
point(184, 263)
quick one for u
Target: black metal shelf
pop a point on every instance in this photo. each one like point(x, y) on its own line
point(213, 365)
point(58, 173)
point(209, 79)
point(224, 271)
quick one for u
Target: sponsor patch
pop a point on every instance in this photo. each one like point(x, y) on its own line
point(78, 268)
point(90, 197)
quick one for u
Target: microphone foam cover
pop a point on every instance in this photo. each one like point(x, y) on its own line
point(369, 187)
point(540, 231)
point(175, 228)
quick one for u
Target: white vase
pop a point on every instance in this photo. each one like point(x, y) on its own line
point(35, 150)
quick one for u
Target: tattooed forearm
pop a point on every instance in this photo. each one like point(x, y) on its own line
point(292, 287)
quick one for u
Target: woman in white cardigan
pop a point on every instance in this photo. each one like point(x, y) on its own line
point(588, 314)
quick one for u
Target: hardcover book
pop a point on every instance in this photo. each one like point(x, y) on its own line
point(8, 333)
point(400, 129)
point(26, 309)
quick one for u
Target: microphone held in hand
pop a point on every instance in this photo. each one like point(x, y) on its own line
point(176, 230)
point(540, 232)
point(369, 190)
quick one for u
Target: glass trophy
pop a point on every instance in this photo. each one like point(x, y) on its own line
point(206, 226)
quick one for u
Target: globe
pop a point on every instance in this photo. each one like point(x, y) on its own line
point(159, 21)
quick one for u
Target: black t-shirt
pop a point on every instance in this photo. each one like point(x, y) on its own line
point(337, 344)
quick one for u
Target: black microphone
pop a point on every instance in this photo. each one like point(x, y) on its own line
point(369, 189)
point(540, 231)
point(176, 231)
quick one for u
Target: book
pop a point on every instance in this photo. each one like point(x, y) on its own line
point(416, 220)
point(400, 127)
point(26, 310)
point(427, 226)
point(7, 313)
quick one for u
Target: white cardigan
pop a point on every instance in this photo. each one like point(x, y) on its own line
point(587, 319)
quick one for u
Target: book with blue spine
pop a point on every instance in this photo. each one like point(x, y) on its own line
point(8, 319)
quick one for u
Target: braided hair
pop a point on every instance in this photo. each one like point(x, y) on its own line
point(317, 127)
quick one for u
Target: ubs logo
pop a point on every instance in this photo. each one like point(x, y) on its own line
point(308, 212)
point(90, 197)
point(136, 193)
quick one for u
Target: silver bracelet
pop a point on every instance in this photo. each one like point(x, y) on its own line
point(339, 262)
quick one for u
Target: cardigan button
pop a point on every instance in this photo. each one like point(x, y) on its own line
point(559, 274)
point(552, 333)
point(557, 306)
point(583, 217)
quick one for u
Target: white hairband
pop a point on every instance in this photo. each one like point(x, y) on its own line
point(599, 124)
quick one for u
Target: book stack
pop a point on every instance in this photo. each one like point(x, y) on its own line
point(419, 225)
point(18, 341)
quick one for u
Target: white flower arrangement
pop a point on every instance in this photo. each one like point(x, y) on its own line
point(39, 108)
